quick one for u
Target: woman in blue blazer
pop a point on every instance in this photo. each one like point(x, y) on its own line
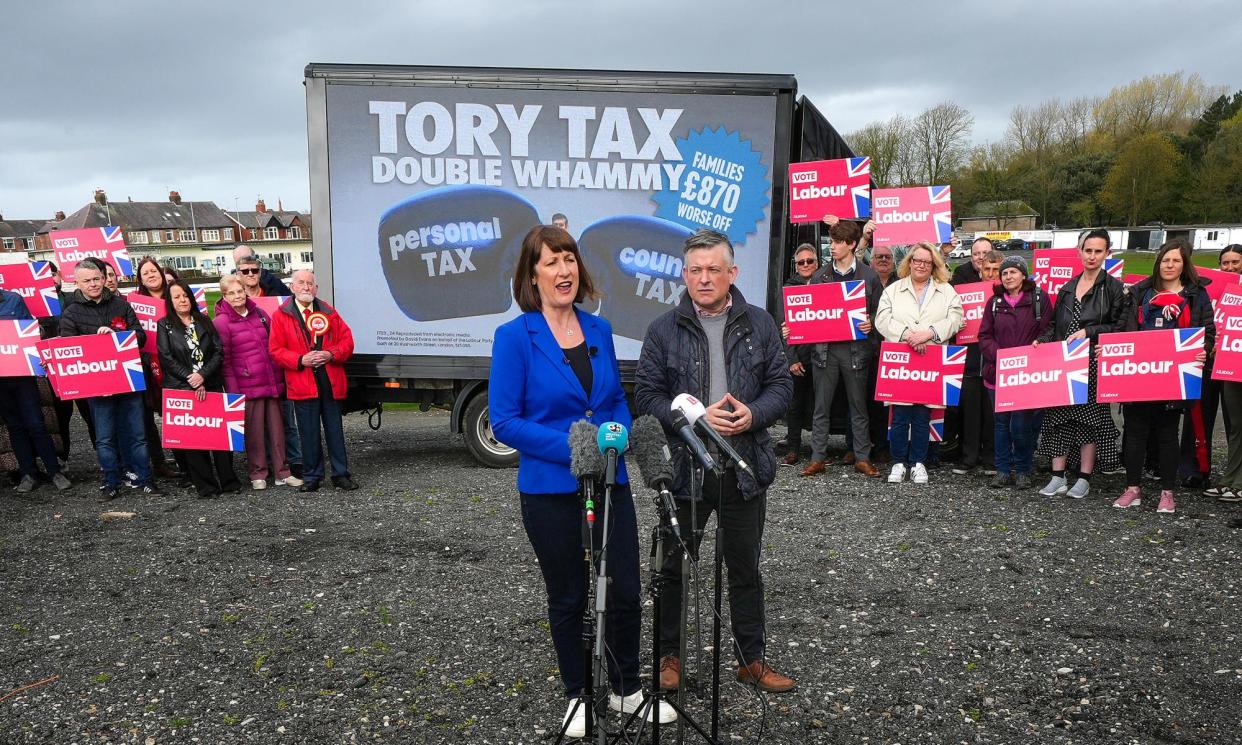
point(551, 366)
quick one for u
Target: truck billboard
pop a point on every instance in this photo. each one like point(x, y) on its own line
point(431, 189)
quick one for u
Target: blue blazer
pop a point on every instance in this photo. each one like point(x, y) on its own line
point(533, 397)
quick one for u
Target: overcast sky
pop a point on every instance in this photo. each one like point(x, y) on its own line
point(140, 97)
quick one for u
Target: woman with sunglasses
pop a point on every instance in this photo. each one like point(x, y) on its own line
point(921, 308)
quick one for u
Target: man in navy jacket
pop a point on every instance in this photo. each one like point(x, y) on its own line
point(728, 354)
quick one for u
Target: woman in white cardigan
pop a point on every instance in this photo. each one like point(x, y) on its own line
point(920, 308)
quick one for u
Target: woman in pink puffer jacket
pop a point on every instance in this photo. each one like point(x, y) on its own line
point(250, 370)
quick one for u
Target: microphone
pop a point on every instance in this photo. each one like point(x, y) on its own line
point(686, 433)
point(695, 413)
point(585, 462)
point(613, 439)
point(655, 463)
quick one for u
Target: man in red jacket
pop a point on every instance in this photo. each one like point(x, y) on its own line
point(311, 342)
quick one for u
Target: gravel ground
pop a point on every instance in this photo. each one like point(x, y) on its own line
point(412, 611)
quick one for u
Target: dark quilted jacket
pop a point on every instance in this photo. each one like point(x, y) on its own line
point(674, 360)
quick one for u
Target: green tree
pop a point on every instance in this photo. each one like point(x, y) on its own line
point(1215, 194)
point(1142, 184)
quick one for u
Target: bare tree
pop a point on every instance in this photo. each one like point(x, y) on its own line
point(1156, 103)
point(941, 138)
point(882, 142)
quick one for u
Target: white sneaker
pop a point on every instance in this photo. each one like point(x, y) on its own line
point(898, 474)
point(1082, 488)
point(636, 701)
point(290, 481)
point(576, 718)
point(258, 484)
point(1054, 487)
point(918, 473)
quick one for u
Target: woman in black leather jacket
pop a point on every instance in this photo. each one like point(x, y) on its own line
point(192, 358)
point(1090, 304)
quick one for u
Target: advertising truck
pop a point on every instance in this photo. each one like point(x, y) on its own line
point(424, 180)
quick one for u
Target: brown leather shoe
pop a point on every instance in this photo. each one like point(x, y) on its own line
point(790, 458)
point(670, 673)
point(866, 469)
point(848, 460)
point(813, 468)
point(762, 675)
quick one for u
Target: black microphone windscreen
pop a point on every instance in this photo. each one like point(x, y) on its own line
point(649, 448)
point(585, 461)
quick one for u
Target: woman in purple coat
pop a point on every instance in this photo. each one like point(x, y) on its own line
point(250, 370)
point(1015, 317)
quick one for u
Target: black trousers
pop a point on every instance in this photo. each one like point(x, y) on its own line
point(554, 524)
point(877, 412)
point(742, 524)
point(211, 471)
point(800, 404)
point(978, 424)
point(1147, 422)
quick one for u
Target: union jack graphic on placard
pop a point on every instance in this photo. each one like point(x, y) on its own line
point(856, 291)
point(935, 426)
point(942, 196)
point(234, 406)
point(859, 168)
point(953, 355)
point(1191, 377)
point(115, 242)
point(1077, 380)
point(1115, 268)
point(125, 341)
point(42, 272)
point(200, 298)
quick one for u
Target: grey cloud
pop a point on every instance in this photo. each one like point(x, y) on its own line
point(137, 97)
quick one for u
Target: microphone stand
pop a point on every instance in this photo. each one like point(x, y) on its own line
point(588, 618)
point(659, 534)
point(601, 606)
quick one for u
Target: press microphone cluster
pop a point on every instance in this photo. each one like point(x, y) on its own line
point(655, 464)
point(694, 412)
point(585, 461)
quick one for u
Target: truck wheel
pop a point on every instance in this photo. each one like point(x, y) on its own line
point(483, 445)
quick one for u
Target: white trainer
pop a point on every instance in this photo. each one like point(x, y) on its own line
point(576, 716)
point(637, 701)
point(1054, 487)
point(289, 481)
point(918, 473)
point(258, 484)
point(898, 474)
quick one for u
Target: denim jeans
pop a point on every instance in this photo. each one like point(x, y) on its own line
point(112, 437)
point(906, 448)
point(1015, 433)
point(19, 407)
point(553, 524)
point(310, 413)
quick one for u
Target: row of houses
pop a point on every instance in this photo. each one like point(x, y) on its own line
point(183, 234)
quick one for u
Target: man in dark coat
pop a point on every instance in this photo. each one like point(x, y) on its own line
point(727, 353)
point(118, 418)
point(806, 262)
point(845, 362)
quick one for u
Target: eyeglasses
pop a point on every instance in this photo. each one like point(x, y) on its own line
point(247, 271)
point(805, 262)
point(881, 257)
point(920, 262)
